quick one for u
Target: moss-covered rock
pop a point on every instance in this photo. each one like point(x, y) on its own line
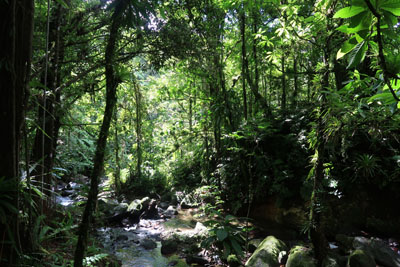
point(138, 205)
point(331, 261)
point(300, 256)
point(233, 261)
point(169, 246)
point(358, 258)
point(344, 241)
point(267, 253)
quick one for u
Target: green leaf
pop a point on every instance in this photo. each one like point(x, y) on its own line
point(61, 2)
point(387, 98)
point(394, 11)
point(357, 54)
point(349, 12)
point(229, 218)
point(393, 6)
point(236, 246)
point(222, 234)
point(227, 250)
point(346, 47)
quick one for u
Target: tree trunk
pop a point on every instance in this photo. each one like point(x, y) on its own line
point(255, 56)
point(295, 81)
point(138, 100)
point(111, 99)
point(317, 232)
point(16, 18)
point(117, 175)
point(243, 36)
point(283, 101)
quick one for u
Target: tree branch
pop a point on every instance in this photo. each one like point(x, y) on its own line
point(382, 61)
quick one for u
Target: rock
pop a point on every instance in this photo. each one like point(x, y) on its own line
point(168, 246)
point(194, 259)
point(148, 244)
point(200, 229)
point(267, 253)
point(151, 212)
point(233, 261)
point(163, 205)
point(171, 211)
point(379, 250)
point(330, 261)
point(360, 242)
point(344, 241)
point(300, 256)
point(359, 258)
point(120, 208)
point(282, 257)
point(139, 205)
point(383, 254)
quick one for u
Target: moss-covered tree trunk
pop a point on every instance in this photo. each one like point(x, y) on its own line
point(111, 98)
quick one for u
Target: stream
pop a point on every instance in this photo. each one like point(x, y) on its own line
point(139, 244)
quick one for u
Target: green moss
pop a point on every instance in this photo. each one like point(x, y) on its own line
point(300, 256)
point(267, 253)
point(360, 259)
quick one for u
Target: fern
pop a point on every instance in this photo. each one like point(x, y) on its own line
point(90, 261)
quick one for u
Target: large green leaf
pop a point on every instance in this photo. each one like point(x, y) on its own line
point(346, 47)
point(394, 11)
point(393, 6)
point(349, 12)
point(357, 54)
point(387, 98)
point(221, 234)
point(236, 246)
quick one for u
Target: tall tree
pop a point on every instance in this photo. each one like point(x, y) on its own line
point(112, 82)
point(16, 20)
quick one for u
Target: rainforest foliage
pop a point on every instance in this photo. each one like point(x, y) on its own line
point(296, 101)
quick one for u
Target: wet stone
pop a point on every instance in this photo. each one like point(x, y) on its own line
point(148, 244)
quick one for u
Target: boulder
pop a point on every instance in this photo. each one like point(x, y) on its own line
point(171, 211)
point(169, 246)
point(300, 256)
point(233, 261)
point(358, 258)
point(151, 212)
point(267, 253)
point(137, 206)
point(344, 241)
point(379, 250)
point(331, 261)
point(200, 229)
point(148, 244)
point(120, 208)
point(195, 259)
point(383, 254)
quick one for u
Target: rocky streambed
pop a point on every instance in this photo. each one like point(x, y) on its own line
point(147, 232)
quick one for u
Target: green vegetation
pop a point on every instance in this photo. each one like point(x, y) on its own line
point(223, 105)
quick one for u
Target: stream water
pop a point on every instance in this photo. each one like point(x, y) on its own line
point(139, 245)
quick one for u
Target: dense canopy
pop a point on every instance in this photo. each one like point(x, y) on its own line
point(254, 114)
